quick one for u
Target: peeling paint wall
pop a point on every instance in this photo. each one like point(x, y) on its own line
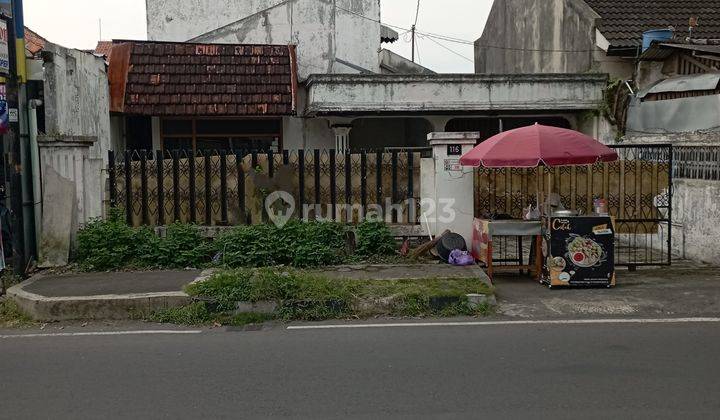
point(77, 105)
point(327, 32)
point(696, 214)
point(454, 93)
point(77, 98)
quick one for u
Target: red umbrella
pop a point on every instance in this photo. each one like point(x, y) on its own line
point(535, 145)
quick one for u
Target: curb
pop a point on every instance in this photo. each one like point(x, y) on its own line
point(114, 307)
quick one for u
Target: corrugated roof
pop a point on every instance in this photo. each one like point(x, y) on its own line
point(661, 51)
point(624, 21)
point(184, 79)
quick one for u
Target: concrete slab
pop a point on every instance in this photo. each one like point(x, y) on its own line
point(120, 283)
point(101, 295)
point(404, 272)
point(685, 289)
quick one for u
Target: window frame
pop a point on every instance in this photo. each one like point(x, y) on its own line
point(194, 135)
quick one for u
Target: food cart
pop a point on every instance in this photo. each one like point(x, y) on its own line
point(577, 250)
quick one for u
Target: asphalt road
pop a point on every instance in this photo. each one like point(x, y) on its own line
point(519, 371)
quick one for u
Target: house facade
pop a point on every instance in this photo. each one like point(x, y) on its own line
point(350, 93)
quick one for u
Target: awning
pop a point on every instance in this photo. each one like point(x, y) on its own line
point(695, 82)
point(388, 35)
point(185, 79)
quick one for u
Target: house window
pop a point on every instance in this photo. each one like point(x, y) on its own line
point(200, 134)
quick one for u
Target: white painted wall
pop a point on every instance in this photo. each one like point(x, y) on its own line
point(448, 190)
point(696, 216)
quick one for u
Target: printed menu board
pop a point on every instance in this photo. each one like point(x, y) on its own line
point(579, 251)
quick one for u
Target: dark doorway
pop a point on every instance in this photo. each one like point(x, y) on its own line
point(138, 133)
point(488, 127)
point(381, 133)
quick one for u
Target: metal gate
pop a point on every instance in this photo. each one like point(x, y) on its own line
point(638, 188)
point(224, 188)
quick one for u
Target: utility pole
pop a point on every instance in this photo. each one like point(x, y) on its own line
point(412, 29)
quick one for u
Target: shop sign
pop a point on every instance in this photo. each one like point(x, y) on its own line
point(4, 50)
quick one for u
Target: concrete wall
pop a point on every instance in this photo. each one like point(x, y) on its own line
point(544, 36)
point(77, 97)
point(327, 32)
point(538, 25)
point(697, 138)
point(682, 115)
point(74, 148)
point(696, 216)
point(454, 93)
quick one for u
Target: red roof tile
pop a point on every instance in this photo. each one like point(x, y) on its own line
point(34, 43)
point(103, 48)
point(624, 21)
point(182, 79)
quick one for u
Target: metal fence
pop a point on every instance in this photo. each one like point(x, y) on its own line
point(220, 188)
point(697, 162)
point(637, 188)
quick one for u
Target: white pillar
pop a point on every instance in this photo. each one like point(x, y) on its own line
point(342, 137)
point(448, 188)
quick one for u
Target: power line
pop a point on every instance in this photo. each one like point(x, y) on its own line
point(447, 38)
point(451, 50)
point(417, 13)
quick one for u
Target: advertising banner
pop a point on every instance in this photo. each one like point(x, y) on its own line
point(580, 251)
point(4, 50)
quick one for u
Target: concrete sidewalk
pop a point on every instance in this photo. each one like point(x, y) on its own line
point(404, 272)
point(684, 290)
point(116, 295)
point(125, 295)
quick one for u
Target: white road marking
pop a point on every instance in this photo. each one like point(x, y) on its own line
point(495, 323)
point(101, 333)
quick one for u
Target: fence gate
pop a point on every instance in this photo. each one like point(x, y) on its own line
point(637, 187)
point(221, 188)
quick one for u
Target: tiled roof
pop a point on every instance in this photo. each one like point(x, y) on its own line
point(103, 48)
point(34, 43)
point(624, 21)
point(183, 79)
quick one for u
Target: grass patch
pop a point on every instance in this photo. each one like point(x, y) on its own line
point(11, 316)
point(301, 295)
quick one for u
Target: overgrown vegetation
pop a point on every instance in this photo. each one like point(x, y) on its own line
point(11, 316)
point(302, 295)
point(111, 244)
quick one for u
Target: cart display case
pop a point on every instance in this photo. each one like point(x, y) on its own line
point(579, 251)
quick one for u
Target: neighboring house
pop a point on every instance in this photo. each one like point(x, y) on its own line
point(665, 90)
point(606, 36)
point(338, 88)
point(679, 99)
point(577, 36)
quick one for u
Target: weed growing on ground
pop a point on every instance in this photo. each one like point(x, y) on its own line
point(302, 295)
point(374, 239)
point(111, 244)
point(11, 316)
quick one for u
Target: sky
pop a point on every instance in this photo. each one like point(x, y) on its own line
point(77, 24)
